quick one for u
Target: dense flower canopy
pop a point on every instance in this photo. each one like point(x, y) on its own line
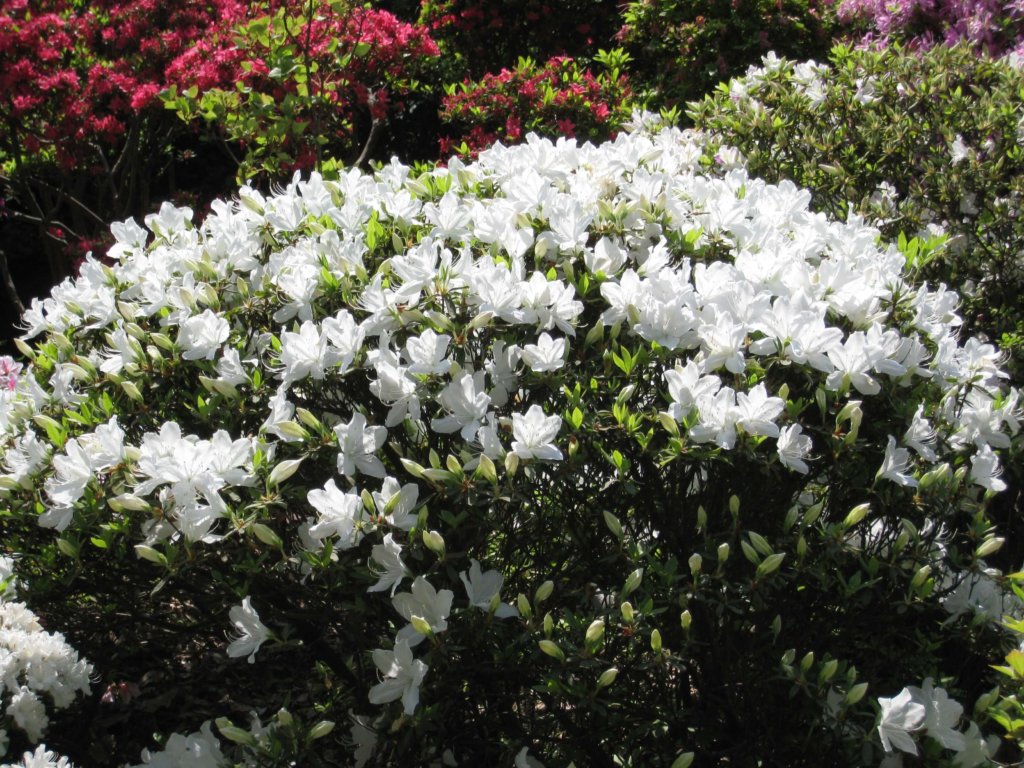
point(411, 385)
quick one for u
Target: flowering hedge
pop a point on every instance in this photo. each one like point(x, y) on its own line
point(571, 454)
point(925, 144)
point(84, 136)
point(557, 99)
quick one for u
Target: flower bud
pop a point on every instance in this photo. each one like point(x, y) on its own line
point(551, 649)
point(919, 578)
point(856, 693)
point(685, 620)
point(856, 514)
point(524, 606)
point(321, 729)
point(656, 641)
point(595, 632)
point(607, 677)
point(695, 562)
point(433, 541)
point(828, 669)
point(989, 546)
point(627, 612)
point(543, 592)
point(723, 552)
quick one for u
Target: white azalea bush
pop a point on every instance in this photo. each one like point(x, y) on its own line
point(571, 455)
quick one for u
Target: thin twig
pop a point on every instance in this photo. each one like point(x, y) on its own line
point(375, 129)
point(66, 195)
point(9, 287)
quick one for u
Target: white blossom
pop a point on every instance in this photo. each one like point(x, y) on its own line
point(901, 716)
point(402, 674)
point(534, 433)
point(251, 631)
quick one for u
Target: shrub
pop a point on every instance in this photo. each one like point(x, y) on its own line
point(556, 99)
point(84, 136)
point(683, 48)
point(995, 26)
point(572, 454)
point(291, 85)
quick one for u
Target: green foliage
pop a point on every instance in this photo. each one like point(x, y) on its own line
point(299, 82)
point(683, 48)
point(479, 36)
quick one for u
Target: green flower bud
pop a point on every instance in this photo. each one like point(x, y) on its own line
point(607, 677)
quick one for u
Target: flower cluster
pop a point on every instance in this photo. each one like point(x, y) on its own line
point(399, 394)
point(558, 98)
point(36, 668)
point(951, 163)
point(993, 26)
point(929, 712)
point(73, 75)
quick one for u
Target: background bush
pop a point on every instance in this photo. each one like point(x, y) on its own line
point(682, 48)
point(993, 26)
point(558, 98)
point(486, 36)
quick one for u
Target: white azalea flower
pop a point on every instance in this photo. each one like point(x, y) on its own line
point(426, 353)
point(921, 435)
point(793, 447)
point(466, 404)
point(424, 602)
point(942, 714)
point(397, 503)
point(533, 435)
point(546, 355)
point(357, 444)
point(756, 411)
point(392, 570)
point(482, 587)
point(303, 354)
point(340, 515)
point(900, 716)
point(985, 470)
point(896, 465)
point(251, 631)
point(402, 677)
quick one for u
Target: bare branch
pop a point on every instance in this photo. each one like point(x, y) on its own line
point(9, 287)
